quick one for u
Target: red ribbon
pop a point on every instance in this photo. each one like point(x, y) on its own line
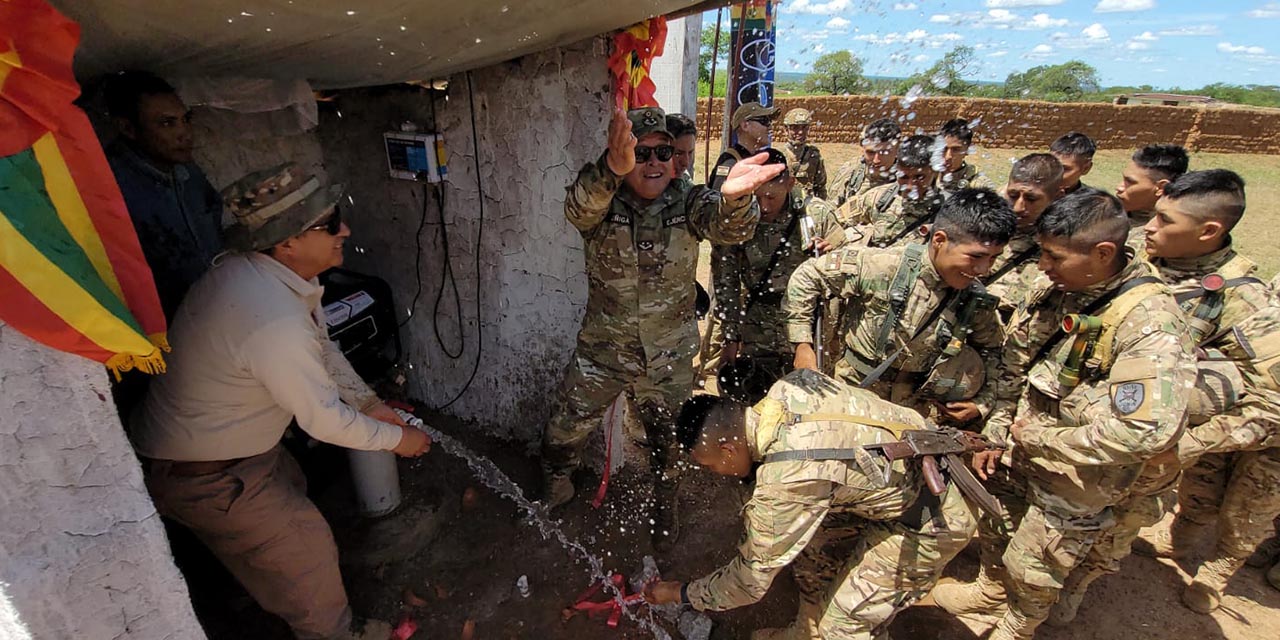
point(611, 606)
point(608, 458)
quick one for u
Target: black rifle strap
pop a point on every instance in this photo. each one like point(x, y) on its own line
point(1013, 263)
point(758, 288)
point(1199, 292)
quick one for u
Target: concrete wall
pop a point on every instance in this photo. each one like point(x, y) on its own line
point(82, 552)
point(538, 120)
point(1028, 125)
point(675, 72)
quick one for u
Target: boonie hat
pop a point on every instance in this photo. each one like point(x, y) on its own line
point(270, 206)
point(750, 110)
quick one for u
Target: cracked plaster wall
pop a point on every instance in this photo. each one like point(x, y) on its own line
point(82, 551)
point(539, 119)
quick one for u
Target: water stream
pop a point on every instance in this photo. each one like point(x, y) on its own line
point(492, 477)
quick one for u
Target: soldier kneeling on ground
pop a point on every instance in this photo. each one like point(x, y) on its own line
point(820, 495)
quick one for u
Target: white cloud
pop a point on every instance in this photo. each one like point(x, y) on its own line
point(1146, 36)
point(1194, 30)
point(837, 23)
point(1227, 47)
point(819, 48)
point(822, 34)
point(1095, 31)
point(1042, 48)
point(1135, 45)
point(939, 17)
point(1116, 6)
point(904, 6)
point(1044, 21)
point(920, 58)
point(820, 8)
point(1268, 10)
point(1001, 17)
point(916, 36)
point(998, 54)
point(1014, 4)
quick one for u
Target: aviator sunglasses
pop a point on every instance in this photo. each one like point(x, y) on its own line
point(332, 225)
point(664, 153)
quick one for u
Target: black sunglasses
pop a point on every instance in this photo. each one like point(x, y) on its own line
point(332, 225)
point(664, 153)
point(764, 120)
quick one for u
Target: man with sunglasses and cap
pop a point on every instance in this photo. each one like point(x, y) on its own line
point(641, 228)
point(750, 123)
point(804, 161)
point(251, 354)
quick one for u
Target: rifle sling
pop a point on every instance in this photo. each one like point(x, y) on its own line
point(758, 288)
point(1200, 292)
point(1012, 264)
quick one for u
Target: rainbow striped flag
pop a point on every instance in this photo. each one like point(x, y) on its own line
point(72, 275)
point(633, 52)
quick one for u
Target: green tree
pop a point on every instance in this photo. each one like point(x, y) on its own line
point(1066, 82)
point(836, 73)
point(706, 53)
point(947, 76)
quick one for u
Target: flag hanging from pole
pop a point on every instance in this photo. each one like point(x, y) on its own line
point(72, 274)
point(633, 52)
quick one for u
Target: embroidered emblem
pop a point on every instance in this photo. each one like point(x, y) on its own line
point(645, 245)
point(1129, 397)
point(675, 220)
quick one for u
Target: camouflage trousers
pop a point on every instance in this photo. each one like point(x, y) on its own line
point(1115, 544)
point(862, 572)
point(592, 380)
point(1240, 491)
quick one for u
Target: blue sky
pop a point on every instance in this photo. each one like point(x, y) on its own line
point(1163, 43)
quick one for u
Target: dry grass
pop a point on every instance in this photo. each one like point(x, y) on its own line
point(1258, 235)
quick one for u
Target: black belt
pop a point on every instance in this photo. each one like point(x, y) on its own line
point(862, 367)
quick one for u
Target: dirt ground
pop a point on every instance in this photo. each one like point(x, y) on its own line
point(461, 549)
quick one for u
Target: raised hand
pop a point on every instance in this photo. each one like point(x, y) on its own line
point(622, 144)
point(748, 174)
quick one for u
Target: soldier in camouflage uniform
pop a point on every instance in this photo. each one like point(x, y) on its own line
point(750, 126)
point(1034, 183)
point(879, 144)
point(641, 228)
point(1075, 151)
point(1081, 428)
point(817, 514)
point(957, 173)
point(892, 214)
point(1188, 242)
point(917, 306)
point(749, 305)
point(1143, 181)
point(804, 160)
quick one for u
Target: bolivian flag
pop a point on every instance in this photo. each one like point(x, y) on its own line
point(72, 275)
point(633, 52)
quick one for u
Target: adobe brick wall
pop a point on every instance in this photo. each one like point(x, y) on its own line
point(1030, 124)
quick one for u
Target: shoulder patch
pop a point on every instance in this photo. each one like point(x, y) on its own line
point(1128, 397)
point(723, 170)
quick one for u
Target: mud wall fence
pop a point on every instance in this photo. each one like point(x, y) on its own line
point(1026, 124)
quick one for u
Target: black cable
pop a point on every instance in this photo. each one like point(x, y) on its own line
point(446, 277)
point(417, 261)
point(475, 141)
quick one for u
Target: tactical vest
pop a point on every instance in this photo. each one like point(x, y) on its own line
point(1204, 304)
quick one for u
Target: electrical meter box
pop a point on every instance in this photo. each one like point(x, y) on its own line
point(410, 155)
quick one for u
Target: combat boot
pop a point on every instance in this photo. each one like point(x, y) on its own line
point(1266, 553)
point(1177, 542)
point(1204, 594)
point(557, 487)
point(984, 595)
point(805, 626)
point(1078, 581)
point(666, 514)
point(1273, 576)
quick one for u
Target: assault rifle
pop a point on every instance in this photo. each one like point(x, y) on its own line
point(939, 449)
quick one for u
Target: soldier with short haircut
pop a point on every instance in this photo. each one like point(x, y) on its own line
point(811, 513)
point(1035, 182)
point(1188, 241)
point(879, 143)
point(804, 160)
point(1143, 181)
point(751, 279)
point(750, 123)
point(957, 173)
point(1075, 151)
point(1081, 426)
point(920, 329)
point(684, 134)
point(641, 228)
point(893, 214)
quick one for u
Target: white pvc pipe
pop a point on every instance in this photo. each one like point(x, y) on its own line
point(377, 481)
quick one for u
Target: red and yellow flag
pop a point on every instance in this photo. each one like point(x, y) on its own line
point(72, 275)
point(633, 52)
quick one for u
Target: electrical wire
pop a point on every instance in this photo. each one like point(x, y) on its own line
point(475, 141)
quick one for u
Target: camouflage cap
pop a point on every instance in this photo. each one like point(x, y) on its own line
point(797, 117)
point(751, 110)
point(648, 120)
point(273, 205)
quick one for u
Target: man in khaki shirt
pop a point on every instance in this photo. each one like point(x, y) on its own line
point(250, 354)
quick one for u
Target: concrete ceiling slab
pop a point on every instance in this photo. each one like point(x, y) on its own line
point(335, 43)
